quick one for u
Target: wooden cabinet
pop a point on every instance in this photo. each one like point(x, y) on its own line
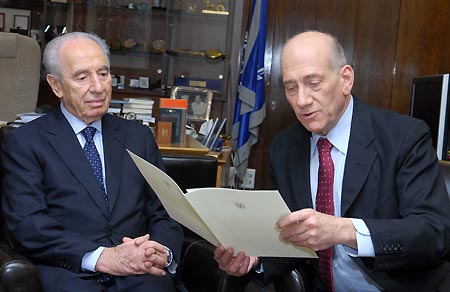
point(154, 44)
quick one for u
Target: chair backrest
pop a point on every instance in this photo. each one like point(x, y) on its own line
point(20, 63)
point(191, 171)
point(445, 166)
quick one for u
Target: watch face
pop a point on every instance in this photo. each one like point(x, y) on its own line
point(158, 45)
point(130, 116)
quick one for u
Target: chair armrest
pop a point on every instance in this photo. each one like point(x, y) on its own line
point(200, 272)
point(18, 273)
point(300, 279)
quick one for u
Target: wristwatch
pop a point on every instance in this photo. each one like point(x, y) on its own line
point(169, 257)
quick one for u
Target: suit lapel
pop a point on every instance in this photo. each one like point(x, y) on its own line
point(299, 169)
point(360, 157)
point(62, 138)
point(113, 146)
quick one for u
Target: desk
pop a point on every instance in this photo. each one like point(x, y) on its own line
point(192, 147)
point(223, 158)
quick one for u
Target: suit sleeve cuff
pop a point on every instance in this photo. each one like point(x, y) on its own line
point(363, 240)
point(89, 260)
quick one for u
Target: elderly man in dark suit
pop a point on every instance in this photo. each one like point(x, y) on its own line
point(74, 202)
point(364, 184)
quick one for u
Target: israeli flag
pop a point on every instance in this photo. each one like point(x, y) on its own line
point(250, 111)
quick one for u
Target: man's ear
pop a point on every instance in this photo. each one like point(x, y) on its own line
point(347, 77)
point(55, 85)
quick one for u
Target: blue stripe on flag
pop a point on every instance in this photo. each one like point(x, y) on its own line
point(250, 101)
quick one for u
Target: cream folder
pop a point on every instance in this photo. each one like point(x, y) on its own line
point(243, 220)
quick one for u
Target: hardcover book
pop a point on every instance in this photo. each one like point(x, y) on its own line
point(174, 111)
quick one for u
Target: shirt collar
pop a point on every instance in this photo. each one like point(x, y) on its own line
point(340, 134)
point(77, 124)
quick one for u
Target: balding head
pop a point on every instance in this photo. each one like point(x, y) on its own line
point(314, 44)
point(316, 79)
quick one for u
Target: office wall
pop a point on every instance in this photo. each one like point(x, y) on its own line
point(388, 42)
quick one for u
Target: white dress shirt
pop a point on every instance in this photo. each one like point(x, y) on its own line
point(347, 275)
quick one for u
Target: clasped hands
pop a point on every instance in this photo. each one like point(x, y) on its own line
point(132, 257)
point(303, 228)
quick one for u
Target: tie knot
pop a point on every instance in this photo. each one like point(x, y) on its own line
point(324, 145)
point(88, 133)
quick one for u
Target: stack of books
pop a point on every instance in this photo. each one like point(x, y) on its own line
point(115, 106)
point(135, 108)
point(142, 107)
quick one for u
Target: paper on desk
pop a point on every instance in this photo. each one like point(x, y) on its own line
point(244, 220)
point(206, 127)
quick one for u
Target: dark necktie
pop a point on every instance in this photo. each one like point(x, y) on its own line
point(94, 158)
point(325, 204)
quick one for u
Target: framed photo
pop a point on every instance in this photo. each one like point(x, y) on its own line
point(199, 101)
point(2, 21)
point(21, 21)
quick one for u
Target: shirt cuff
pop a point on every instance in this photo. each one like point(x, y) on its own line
point(363, 240)
point(89, 260)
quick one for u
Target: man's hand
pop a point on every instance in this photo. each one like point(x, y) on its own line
point(133, 257)
point(153, 256)
point(238, 265)
point(309, 228)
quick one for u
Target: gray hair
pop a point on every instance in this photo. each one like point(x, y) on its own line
point(51, 58)
point(338, 59)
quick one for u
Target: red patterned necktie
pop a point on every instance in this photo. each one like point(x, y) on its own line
point(325, 204)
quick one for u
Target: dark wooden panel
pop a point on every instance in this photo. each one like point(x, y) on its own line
point(285, 19)
point(444, 58)
point(418, 47)
point(290, 18)
point(374, 52)
point(338, 18)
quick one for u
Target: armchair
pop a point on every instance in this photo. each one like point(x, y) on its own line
point(20, 59)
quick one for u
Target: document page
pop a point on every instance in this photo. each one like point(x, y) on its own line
point(243, 220)
point(172, 198)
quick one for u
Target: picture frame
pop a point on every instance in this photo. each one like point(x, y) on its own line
point(21, 22)
point(2, 21)
point(199, 101)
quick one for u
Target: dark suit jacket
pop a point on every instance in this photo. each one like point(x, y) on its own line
point(391, 180)
point(53, 206)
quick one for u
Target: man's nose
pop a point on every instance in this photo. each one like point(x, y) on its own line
point(96, 83)
point(303, 97)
